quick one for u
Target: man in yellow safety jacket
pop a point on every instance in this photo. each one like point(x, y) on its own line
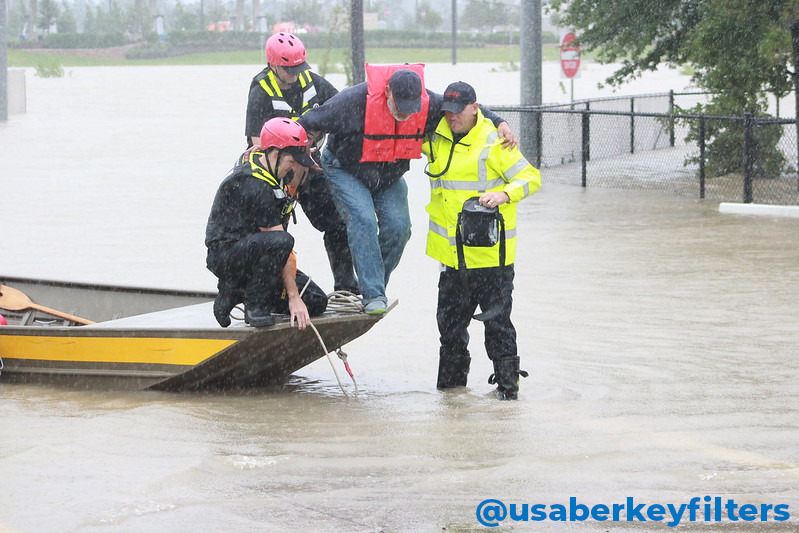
point(475, 185)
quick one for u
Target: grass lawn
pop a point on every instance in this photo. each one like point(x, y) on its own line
point(492, 54)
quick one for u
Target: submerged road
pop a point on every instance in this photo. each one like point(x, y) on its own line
point(660, 337)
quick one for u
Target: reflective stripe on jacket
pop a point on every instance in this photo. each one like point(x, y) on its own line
point(279, 104)
point(385, 139)
point(478, 164)
point(249, 165)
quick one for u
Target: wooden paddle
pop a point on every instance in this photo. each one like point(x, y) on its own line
point(15, 300)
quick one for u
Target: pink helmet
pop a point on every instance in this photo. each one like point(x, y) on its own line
point(284, 49)
point(282, 132)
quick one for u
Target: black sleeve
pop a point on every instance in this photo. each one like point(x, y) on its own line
point(324, 89)
point(341, 115)
point(435, 114)
point(259, 110)
point(490, 115)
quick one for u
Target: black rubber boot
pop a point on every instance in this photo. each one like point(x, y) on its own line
point(226, 299)
point(506, 378)
point(453, 371)
point(258, 317)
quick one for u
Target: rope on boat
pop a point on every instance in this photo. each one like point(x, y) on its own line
point(342, 302)
point(339, 302)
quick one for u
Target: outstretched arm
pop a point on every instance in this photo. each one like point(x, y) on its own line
point(297, 308)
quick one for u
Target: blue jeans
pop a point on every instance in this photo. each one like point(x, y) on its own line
point(378, 225)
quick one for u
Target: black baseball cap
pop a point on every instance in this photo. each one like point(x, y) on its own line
point(406, 87)
point(296, 70)
point(457, 96)
point(300, 155)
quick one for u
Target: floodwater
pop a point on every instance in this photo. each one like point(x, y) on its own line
point(660, 337)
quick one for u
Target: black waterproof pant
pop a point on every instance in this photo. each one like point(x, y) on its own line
point(459, 294)
point(318, 206)
point(251, 269)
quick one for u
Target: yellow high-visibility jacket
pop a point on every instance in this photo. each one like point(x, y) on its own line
point(478, 164)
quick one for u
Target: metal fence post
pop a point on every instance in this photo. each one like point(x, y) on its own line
point(671, 120)
point(748, 157)
point(539, 138)
point(586, 145)
point(702, 157)
point(632, 125)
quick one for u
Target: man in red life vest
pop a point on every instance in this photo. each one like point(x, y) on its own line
point(375, 129)
point(288, 88)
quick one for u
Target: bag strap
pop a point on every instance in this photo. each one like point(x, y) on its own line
point(501, 239)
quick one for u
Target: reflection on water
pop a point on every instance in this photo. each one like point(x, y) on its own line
point(660, 337)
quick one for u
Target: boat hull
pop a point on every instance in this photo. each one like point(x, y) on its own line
point(172, 349)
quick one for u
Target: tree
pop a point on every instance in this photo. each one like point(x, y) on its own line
point(138, 21)
point(739, 49)
point(310, 12)
point(65, 22)
point(429, 18)
point(484, 14)
point(89, 20)
point(48, 14)
point(183, 19)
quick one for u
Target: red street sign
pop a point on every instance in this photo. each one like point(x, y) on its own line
point(569, 56)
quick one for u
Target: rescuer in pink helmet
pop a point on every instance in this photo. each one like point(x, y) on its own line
point(288, 88)
point(249, 249)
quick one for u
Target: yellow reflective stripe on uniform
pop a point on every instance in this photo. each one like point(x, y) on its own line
point(477, 186)
point(260, 172)
point(265, 176)
point(274, 84)
point(482, 184)
point(520, 165)
point(441, 231)
point(514, 171)
point(266, 88)
point(272, 88)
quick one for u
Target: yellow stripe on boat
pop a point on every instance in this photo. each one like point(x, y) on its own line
point(164, 351)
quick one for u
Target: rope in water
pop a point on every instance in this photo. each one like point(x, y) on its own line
point(340, 302)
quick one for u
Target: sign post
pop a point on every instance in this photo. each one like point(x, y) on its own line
point(570, 59)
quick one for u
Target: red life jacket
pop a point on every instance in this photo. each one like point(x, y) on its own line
point(385, 139)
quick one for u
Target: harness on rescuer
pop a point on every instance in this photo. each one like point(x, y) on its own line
point(479, 226)
point(287, 136)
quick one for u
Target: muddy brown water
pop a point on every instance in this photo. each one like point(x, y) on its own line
point(660, 337)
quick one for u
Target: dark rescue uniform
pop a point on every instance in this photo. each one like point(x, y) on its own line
point(246, 260)
point(267, 100)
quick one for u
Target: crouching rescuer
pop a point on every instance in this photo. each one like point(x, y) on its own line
point(249, 249)
point(475, 185)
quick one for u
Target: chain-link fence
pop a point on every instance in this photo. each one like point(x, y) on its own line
point(643, 142)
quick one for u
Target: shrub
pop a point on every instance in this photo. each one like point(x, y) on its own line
point(49, 67)
point(149, 51)
point(724, 141)
point(84, 40)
